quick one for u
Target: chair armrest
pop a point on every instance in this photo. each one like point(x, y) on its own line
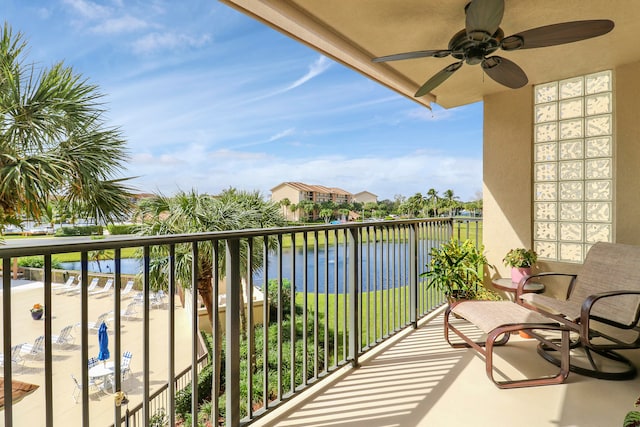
point(526, 279)
point(587, 305)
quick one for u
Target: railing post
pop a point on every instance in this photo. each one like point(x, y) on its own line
point(232, 365)
point(413, 274)
point(6, 334)
point(353, 265)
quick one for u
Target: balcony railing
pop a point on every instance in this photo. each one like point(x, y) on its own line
point(331, 293)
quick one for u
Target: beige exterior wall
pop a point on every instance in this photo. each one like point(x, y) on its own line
point(507, 165)
point(365, 197)
point(287, 192)
point(627, 154)
point(507, 170)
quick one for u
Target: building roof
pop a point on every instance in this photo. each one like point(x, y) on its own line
point(301, 186)
point(362, 193)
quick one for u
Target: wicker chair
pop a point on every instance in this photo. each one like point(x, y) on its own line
point(602, 308)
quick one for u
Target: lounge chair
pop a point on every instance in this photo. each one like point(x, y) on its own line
point(64, 338)
point(70, 287)
point(127, 289)
point(105, 289)
point(66, 285)
point(601, 307)
point(33, 350)
point(94, 326)
point(130, 311)
point(157, 299)
point(16, 358)
point(90, 288)
point(77, 389)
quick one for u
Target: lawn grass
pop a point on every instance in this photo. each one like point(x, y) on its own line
point(387, 310)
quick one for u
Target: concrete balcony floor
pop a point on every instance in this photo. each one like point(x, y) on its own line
point(417, 379)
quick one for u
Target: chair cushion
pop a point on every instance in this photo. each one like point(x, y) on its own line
point(488, 315)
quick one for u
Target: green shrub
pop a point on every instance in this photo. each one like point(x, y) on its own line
point(115, 229)
point(37, 261)
point(84, 230)
point(272, 293)
point(183, 397)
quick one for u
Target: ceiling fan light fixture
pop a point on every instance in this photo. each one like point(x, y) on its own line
point(512, 43)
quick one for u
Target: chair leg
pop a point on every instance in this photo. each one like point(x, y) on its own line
point(619, 368)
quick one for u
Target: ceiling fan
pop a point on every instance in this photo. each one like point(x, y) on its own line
point(482, 36)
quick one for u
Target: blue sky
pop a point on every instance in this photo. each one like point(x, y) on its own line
point(208, 98)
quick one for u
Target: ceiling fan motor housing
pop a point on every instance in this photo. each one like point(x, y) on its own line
point(473, 49)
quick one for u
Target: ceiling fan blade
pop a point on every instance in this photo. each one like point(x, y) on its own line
point(438, 79)
point(555, 34)
point(483, 18)
point(505, 72)
point(410, 55)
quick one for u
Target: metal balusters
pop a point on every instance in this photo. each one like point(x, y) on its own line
point(325, 369)
point(84, 345)
point(305, 305)
point(280, 315)
point(194, 323)
point(6, 333)
point(336, 287)
point(292, 317)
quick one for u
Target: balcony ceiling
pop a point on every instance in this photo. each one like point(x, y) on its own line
point(353, 32)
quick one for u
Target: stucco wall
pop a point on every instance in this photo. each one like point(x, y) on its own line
point(627, 154)
point(287, 192)
point(507, 163)
point(507, 174)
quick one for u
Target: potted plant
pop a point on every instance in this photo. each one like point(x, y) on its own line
point(455, 269)
point(36, 311)
point(520, 260)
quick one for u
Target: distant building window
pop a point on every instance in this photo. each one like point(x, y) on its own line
point(573, 166)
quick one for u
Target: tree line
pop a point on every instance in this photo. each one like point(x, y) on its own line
point(416, 206)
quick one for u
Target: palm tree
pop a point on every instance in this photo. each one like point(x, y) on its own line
point(285, 203)
point(193, 213)
point(53, 141)
point(432, 195)
point(293, 208)
point(308, 207)
point(450, 199)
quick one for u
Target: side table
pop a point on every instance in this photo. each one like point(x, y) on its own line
point(510, 287)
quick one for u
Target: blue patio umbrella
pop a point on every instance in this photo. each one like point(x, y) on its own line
point(103, 342)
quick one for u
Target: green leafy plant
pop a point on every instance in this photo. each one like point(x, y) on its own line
point(456, 268)
point(520, 258)
point(37, 261)
point(632, 419)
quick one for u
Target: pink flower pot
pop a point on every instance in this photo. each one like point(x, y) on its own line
point(518, 273)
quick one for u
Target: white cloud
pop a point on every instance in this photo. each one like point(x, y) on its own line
point(214, 171)
point(88, 9)
point(282, 134)
point(122, 24)
point(168, 41)
point(318, 67)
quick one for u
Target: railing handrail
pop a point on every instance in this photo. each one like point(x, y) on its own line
point(48, 247)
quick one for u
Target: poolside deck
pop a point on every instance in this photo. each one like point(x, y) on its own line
point(419, 380)
point(66, 361)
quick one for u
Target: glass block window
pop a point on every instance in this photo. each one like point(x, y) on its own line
point(573, 166)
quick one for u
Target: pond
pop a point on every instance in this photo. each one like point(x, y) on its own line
point(375, 274)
